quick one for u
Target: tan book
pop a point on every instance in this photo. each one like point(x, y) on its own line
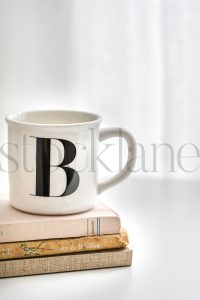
point(18, 226)
point(66, 262)
point(63, 246)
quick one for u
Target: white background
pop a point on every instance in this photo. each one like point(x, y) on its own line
point(136, 63)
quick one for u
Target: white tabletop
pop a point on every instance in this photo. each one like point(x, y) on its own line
point(163, 220)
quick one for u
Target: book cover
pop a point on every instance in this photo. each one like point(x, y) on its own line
point(66, 262)
point(17, 226)
point(62, 246)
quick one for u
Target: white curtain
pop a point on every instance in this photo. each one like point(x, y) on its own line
point(135, 62)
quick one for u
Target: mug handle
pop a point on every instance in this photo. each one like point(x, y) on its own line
point(126, 171)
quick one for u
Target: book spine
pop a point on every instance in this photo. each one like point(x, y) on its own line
point(64, 263)
point(62, 246)
point(59, 229)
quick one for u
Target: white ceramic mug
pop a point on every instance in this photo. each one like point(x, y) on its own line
point(48, 172)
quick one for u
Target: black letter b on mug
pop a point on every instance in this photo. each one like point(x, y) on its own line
point(43, 166)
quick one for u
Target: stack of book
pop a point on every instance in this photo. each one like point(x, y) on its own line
point(36, 244)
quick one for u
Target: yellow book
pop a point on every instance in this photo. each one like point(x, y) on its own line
point(63, 246)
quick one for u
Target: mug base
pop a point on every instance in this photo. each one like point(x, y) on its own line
point(53, 212)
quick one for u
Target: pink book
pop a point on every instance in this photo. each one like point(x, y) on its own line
point(17, 226)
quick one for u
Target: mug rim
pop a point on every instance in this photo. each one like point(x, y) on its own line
point(14, 118)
